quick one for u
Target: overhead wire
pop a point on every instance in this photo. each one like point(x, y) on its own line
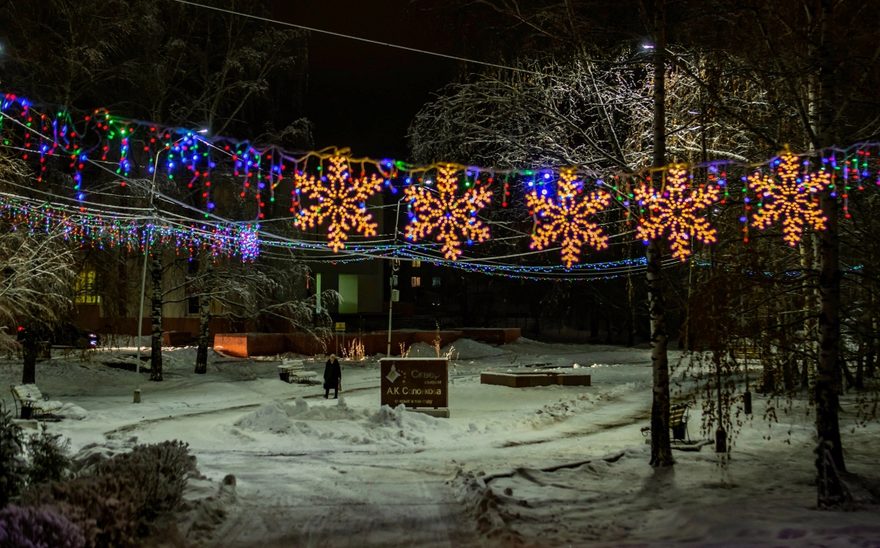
point(358, 38)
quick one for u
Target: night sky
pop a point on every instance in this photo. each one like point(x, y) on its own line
point(364, 96)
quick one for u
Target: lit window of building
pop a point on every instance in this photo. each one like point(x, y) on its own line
point(86, 288)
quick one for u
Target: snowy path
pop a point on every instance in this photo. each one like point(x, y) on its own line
point(301, 506)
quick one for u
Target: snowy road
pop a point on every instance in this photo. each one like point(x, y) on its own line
point(358, 504)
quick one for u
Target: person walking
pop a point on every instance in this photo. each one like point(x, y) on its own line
point(332, 377)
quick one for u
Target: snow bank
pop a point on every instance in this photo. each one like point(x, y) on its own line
point(421, 350)
point(271, 417)
point(469, 349)
point(340, 423)
point(72, 411)
point(484, 507)
point(460, 349)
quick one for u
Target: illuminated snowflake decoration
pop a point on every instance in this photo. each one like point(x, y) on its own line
point(789, 199)
point(675, 211)
point(341, 199)
point(451, 217)
point(567, 220)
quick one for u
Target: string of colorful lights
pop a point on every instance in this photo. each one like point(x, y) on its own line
point(448, 204)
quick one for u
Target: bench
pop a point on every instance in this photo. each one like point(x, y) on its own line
point(292, 371)
point(678, 421)
point(30, 402)
point(678, 418)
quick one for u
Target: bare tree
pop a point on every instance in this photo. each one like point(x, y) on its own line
point(36, 281)
point(265, 294)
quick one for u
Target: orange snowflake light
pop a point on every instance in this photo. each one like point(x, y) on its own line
point(789, 198)
point(568, 220)
point(447, 214)
point(674, 210)
point(340, 198)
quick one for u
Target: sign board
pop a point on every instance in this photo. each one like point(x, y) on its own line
point(415, 382)
point(339, 327)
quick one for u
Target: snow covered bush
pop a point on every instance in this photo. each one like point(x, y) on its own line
point(100, 506)
point(25, 527)
point(117, 503)
point(42, 458)
point(48, 458)
point(159, 472)
point(12, 464)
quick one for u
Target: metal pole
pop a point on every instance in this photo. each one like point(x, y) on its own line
point(390, 305)
point(395, 265)
point(137, 366)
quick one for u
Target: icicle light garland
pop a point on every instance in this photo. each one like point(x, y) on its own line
point(131, 233)
point(444, 201)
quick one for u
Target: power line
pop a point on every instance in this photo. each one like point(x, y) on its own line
point(359, 38)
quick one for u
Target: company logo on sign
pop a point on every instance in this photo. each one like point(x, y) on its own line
point(392, 375)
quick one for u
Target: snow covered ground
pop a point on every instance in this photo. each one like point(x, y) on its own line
point(544, 466)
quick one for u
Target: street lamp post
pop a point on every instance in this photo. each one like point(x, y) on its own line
point(392, 283)
point(146, 261)
point(392, 280)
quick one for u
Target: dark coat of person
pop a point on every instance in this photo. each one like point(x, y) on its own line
point(332, 374)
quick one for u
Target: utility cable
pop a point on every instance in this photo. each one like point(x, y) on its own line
point(358, 38)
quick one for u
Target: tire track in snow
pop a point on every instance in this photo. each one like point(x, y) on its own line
point(342, 502)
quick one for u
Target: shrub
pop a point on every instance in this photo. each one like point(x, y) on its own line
point(159, 471)
point(37, 527)
point(49, 460)
point(119, 501)
point(100, 506)
point(12, 463)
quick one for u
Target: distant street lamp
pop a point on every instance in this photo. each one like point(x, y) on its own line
point(394, 295)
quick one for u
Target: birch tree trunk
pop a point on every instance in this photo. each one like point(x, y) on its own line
point(156, 316)
point(828, 374)
point(204, 319)
point(808, 252)
point(661, 450)
point(870, 357)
